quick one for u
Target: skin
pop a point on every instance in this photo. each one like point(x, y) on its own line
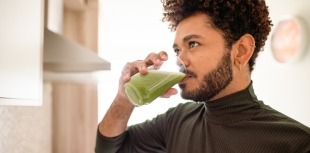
point(202, 48)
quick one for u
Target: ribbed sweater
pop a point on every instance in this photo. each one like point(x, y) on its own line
point(237, 123)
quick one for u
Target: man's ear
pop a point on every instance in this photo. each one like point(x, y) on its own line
point(244, 50)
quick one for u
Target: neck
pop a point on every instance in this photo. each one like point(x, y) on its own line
point(241, 80)
point(241, 105)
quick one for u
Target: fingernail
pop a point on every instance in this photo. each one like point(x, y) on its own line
point(125, 76)
point(164, 55)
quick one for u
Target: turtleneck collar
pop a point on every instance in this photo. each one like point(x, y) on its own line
point(232, 108)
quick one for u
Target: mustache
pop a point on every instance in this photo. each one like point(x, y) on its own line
point(189, 72)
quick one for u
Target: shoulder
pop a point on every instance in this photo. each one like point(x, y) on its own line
point(185, 111)
point(281, 120)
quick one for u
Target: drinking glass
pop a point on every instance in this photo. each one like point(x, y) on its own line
point(142, 89)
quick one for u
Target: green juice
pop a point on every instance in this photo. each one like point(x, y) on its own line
point(143, 89)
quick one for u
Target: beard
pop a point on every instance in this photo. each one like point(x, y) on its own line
point(213, 82)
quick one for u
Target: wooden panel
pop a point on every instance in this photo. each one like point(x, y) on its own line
point(75, 115)
point(75, 5)
point(74, 118)
point(82, 27)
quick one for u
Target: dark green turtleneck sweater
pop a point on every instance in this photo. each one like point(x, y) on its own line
point(238, 123)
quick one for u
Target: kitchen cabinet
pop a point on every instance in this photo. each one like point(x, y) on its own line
point(21, 43)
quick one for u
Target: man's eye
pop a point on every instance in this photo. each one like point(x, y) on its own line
point(193, 44)
point(177, 51)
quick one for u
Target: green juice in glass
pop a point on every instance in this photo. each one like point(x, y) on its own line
point(142, 89)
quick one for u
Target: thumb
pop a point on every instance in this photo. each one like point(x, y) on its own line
point(169, 92)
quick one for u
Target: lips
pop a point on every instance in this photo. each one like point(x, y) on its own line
point(189, 74)
point(186, 77)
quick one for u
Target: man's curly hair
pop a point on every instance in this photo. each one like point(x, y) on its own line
point(233, 17)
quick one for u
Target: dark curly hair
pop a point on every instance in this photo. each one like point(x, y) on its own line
point(233, 17)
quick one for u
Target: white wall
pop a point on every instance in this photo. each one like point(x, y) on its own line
point(27, 129)
point(126, 35)
point(128, 31)
point(285, 86)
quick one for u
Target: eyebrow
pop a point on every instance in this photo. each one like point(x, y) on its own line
point(187, 38)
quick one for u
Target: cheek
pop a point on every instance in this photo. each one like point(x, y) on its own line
point(200, 67)
point(204, 64)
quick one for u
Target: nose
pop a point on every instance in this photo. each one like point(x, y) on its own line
point(183, 59)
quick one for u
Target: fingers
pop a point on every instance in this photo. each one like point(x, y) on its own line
point(141, 66)
point(169, 92)
point(126, 72)
point(156, 59)
point(132, 68)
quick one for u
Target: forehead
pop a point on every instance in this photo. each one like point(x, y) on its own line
point(196, 24)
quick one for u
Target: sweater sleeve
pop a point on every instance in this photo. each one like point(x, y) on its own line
point(148, 136)
point(107, 144)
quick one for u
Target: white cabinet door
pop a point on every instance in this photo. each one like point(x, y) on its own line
point(21, 43)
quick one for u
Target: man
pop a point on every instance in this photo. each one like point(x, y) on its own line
point(218, 41)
